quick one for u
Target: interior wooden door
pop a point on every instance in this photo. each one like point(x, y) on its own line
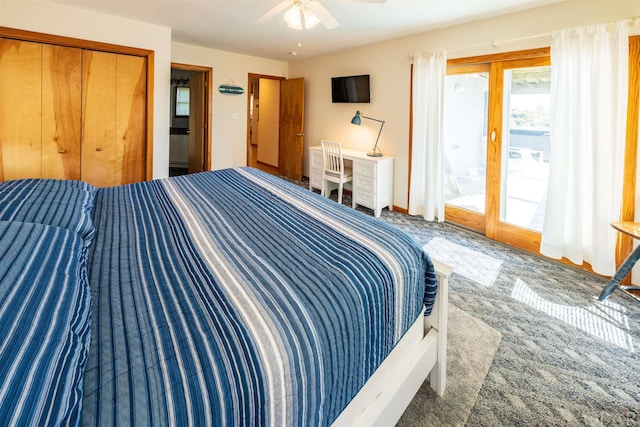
point(20, 109)
point(196, 121)
point(269, 122)
point(61, 122)
point(255, 114)
point(291, 127)
point(99, 118)
point(130, 113)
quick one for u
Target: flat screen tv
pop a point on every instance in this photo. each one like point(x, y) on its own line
point(352, 89)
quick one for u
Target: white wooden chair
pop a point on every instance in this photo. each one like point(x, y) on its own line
point(334, 170)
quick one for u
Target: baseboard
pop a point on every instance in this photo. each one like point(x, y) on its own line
point(400, 210)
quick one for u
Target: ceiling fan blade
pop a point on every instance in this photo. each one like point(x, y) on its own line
point(323, 14)
point(277, 9)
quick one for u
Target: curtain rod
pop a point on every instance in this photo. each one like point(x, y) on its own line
point(635, 21)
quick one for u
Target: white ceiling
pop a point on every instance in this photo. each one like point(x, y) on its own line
point(230, 25)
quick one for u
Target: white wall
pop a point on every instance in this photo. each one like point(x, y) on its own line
point(49, 18)
point(389, 66)
point(229, 112)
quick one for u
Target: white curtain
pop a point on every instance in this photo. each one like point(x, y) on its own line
point(426, 196)
point(589, 80)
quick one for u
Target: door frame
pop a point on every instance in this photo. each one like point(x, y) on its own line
point(208, 78)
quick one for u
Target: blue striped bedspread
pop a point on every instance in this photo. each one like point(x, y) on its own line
point(235, 298)
point(45, 310)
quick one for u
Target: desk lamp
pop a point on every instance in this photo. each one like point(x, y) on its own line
point(356, 121)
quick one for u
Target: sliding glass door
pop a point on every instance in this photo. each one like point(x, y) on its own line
point(465, 141)
point(497, 145)
point(497, 148)
point(525, 146)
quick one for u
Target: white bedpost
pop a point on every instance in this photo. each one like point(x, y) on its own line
point(438, 320)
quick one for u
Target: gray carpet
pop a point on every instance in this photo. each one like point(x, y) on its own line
point(470, 352)
point(564, 359)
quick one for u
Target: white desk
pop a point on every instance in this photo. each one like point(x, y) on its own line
point(372, 177)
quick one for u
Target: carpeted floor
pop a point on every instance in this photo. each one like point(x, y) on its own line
point(470, 352)
point(564, 359)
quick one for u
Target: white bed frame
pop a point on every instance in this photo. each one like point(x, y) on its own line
point(421, 353)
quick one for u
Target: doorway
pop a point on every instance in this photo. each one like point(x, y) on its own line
point(263, 130)
point(275, 125)
point(190, 138)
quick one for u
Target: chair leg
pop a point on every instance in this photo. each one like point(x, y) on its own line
point(340, 193)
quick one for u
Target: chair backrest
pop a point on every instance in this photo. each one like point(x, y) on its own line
point(332, 155)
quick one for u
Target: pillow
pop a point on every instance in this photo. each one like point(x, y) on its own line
point(60, 203)
point(45, 320)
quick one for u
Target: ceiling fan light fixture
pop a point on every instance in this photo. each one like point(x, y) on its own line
point(310, 19)
point(293, 17)
point(299, 17)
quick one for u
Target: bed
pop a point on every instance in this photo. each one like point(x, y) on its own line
point(219, 298)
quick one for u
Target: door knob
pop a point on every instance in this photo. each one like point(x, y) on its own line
point(301, 134)
point(62, 151)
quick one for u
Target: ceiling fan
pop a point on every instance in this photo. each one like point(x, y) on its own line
point(299, 14)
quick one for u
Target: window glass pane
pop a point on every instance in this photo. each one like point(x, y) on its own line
point(465, 140)
point(182, 101)
point(182, 94)
point(525, 146)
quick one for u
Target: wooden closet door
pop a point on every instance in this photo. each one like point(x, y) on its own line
point(98, 118)
point(61, 95)
point(114, 103)
point(131, 101)
point(20, 109)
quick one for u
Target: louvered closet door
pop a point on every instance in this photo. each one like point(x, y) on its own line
point(61, 89)
point(99, 118)
point(20, 109)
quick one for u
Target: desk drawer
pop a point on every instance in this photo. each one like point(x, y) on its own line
point(316, 160)
point(315, 180)
point(364, 183)
point(364, 168)
point(365, 198)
